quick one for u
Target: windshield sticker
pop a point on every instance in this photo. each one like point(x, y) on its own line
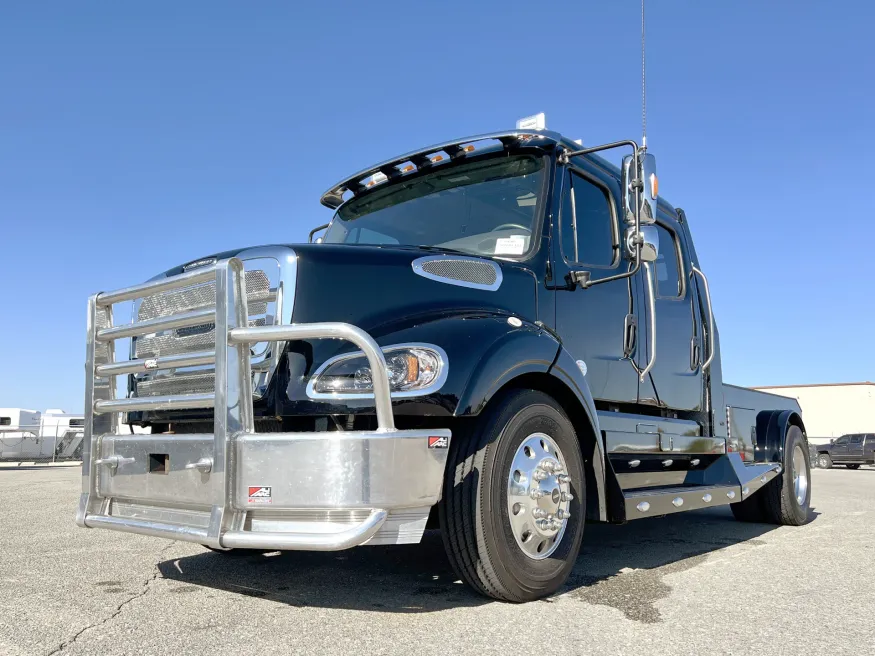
point(513, 245)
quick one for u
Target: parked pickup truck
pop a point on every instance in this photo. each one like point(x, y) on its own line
point(503, 336)
point(848, 450)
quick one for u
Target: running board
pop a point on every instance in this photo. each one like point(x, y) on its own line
point(727, 480)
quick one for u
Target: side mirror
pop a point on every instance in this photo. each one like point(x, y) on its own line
point(831, 440)
point(648, 194)
point(649, 243)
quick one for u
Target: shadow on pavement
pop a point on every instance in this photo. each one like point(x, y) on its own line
point(418, 578)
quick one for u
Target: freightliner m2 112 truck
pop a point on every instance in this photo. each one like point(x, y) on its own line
point(504, 336)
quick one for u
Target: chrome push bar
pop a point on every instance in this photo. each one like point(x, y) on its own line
point(113, 465)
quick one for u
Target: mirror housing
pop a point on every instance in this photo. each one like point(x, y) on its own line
point(648, 242)
point(649, 190)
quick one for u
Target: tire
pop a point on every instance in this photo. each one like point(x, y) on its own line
point(852, 466)
point(824, 461)
point(475, 513)
point(782, 501)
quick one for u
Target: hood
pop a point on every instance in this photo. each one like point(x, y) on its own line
point(377, 289)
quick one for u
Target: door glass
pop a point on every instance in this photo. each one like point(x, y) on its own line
point(856, 439)
point(668, 266)
point(587, 226)
point(842, 440)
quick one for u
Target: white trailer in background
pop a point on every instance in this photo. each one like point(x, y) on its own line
point(32, 435)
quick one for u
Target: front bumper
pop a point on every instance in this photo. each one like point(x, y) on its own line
point(317, 491)
point(237, 488)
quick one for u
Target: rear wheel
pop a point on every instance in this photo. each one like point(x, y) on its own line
point(824, 461)
point(786, 498)
point(852, 466)
point(512, 514)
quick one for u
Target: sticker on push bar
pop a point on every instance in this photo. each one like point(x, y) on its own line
point(259, 494)
point(150, 364)
point(438, 442)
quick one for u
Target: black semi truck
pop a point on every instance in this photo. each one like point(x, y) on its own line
point(504, 336)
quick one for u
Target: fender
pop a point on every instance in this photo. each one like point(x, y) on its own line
point(527, 351)
point(771, 427)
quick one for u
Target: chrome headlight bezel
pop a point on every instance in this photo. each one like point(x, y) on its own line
point(388, 351)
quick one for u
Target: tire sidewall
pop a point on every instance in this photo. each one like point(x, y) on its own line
point(526, 413)
point(795, 437)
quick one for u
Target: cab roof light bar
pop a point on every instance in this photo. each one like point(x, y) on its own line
point(436, 155)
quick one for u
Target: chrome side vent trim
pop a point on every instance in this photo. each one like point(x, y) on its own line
point(472, 272)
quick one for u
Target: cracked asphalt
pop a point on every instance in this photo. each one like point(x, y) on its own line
point(686, 584)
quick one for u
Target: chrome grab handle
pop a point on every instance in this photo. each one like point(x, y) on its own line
point(204, 465)
point(707, 362)
point(651, 315)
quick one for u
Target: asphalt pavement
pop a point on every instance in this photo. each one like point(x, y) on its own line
point(692, 583)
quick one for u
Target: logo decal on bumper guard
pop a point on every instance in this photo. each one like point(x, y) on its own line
point(438, 443)
point(259, 494)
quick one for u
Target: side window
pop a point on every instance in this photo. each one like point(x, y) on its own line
point(668, 266)
point(856, 439)
point(842, 440)
point(586, 226)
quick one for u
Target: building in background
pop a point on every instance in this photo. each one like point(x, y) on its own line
point(833, 409)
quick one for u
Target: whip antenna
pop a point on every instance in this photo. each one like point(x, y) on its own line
point(643, 84)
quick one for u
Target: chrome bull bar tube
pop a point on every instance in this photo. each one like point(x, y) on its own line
point(197, 494)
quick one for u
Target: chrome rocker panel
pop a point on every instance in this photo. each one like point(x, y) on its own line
point(237, 488)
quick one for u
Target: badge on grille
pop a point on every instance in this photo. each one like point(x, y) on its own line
point(259, 494)
point(438, 442)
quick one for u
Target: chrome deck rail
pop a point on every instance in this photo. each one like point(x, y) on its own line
point(232, 400)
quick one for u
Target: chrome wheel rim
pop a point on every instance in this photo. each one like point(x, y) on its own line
point(800, 475)
point(538, 496)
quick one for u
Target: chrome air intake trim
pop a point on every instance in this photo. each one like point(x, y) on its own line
point(472, 272)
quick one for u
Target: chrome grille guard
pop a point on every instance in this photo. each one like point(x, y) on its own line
point(196, 493)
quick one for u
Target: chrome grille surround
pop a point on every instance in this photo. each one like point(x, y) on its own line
point(271, 276)
point(473, 272)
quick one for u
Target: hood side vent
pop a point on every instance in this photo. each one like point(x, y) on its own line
point(470, 272)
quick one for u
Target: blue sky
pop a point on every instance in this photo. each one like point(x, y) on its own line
point(136, 136)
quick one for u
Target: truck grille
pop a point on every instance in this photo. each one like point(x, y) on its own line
point(263, 302)
point(198, 297)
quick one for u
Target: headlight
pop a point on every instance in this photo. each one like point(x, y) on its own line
point(413, 370)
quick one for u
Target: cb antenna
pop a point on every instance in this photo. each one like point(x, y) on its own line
point(643, 84)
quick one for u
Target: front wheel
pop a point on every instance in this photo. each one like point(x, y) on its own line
point(512, 514)
point(824, 461)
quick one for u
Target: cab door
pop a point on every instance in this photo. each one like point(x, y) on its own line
point(598, 325)
point(675, 382)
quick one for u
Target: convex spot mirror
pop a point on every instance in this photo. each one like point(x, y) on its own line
point(649, 243)
point(648, 194)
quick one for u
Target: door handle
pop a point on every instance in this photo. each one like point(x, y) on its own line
point(711, 341)
point(651, 316)
point(630, 335)
point(694, 353)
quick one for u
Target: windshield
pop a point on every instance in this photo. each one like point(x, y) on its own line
point(489, 207)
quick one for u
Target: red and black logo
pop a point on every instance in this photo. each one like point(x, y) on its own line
point(259, 494)
point(438, 442)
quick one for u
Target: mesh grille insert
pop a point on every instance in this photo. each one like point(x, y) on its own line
point(477, 272)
